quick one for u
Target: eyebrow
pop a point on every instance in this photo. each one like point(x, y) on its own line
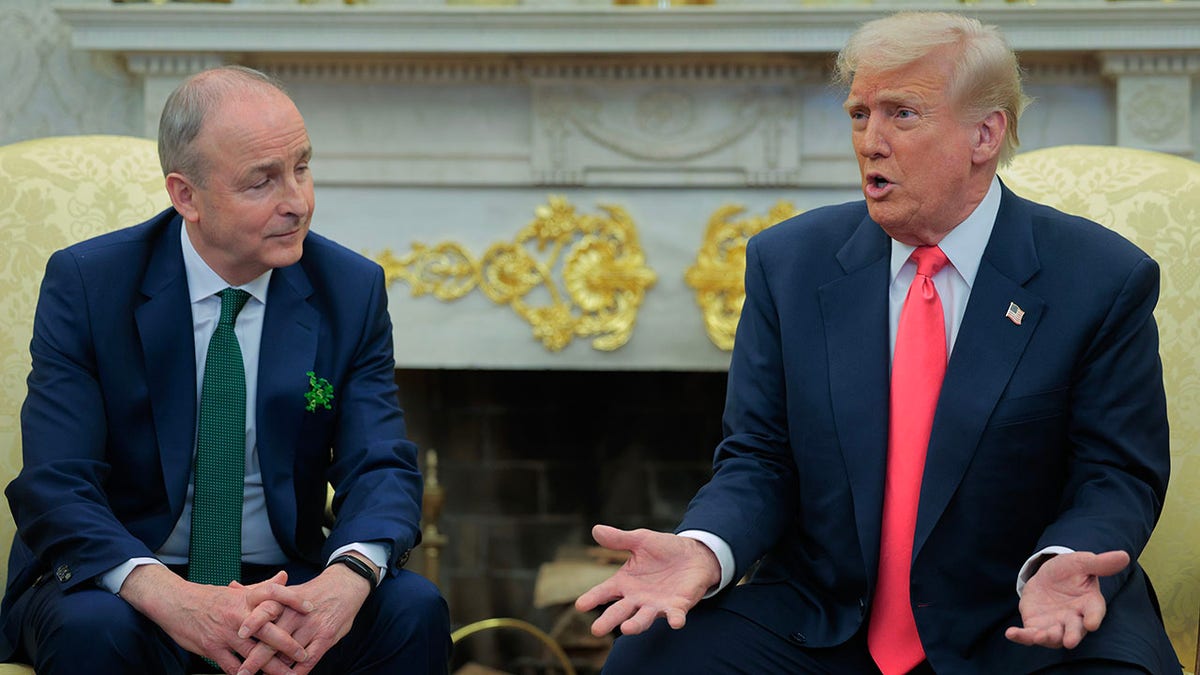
point(266, 167)
point(886, 96)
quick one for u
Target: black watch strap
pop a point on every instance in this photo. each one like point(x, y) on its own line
point(357, 566)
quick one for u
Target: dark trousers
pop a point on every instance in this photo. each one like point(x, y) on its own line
point(719, 642)
point(404, 627)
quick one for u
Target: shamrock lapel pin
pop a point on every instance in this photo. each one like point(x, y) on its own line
point(319, 393)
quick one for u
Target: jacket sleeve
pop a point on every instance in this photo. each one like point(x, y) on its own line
point(58, 500)
point(1119, 444)
point(754, 474)
point(374, 470)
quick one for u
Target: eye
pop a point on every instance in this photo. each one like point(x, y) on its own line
point(904, 114)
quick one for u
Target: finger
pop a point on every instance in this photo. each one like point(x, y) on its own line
point(1021, 636)
point(612, 617)
point(281, 641)
point(1094, 610)
point(260, 616)
point(266, 660)
point(640, 621)
point(289, 596)
point(226, 660)
point(676, 617)
point(1051, 636)
point(256, 659)
point(1073, 633)
point(316, 650)
point(612, 538)
point(597, 595)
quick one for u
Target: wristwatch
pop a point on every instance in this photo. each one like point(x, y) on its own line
point(357, 566)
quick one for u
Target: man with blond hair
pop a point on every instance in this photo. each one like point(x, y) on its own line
point(945, 429)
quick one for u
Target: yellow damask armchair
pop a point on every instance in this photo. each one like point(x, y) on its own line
point(1153, 199)
point(54, 192)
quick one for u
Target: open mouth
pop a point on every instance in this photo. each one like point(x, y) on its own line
point(876, 186)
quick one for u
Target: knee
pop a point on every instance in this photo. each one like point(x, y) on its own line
point(413, 604)
point(96, 628)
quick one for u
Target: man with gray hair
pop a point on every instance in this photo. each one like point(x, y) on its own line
point(945, 429)
point(198, 380)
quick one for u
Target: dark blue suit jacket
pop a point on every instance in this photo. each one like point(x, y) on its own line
point(1049, 432)
point(109, 423)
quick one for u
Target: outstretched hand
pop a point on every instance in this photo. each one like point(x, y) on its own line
point(1062, 603)
point(666, 575)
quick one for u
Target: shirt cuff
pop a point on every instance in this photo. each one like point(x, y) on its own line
point(1035, 561)
point(720, 549)
point(113, 579)
point(377, 553)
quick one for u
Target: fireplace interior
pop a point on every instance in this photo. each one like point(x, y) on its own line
point(530, 460)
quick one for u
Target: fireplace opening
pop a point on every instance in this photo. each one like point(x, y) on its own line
point(530, 460)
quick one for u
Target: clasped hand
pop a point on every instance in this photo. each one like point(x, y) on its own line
point(324, 614)
point(277, 629)
point(665, 576)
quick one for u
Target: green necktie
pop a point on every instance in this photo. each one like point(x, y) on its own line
point(219, 477)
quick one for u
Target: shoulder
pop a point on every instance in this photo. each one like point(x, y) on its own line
point(121, 248)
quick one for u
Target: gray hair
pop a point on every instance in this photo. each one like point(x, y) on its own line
point(986, 77)
point(187, 107)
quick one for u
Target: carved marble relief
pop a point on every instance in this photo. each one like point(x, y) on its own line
point(667, 124)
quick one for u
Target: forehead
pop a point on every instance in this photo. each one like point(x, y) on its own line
point(923, 80)
point(254, 127)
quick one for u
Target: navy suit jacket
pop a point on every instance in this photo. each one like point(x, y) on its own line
point(1051, 432)
point(109, 423)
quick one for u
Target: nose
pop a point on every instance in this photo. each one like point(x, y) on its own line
point(295, 198)
point(872, 139)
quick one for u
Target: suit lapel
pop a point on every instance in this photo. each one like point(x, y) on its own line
point(986, 353)
point(855, 313)
point(164, 324)
point(289, 350)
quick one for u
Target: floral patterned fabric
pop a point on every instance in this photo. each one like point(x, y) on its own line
point(54, 192)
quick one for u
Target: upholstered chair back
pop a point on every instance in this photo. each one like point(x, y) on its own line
point(54, 192)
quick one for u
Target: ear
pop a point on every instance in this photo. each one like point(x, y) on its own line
point(183, 196)
point(989, 137)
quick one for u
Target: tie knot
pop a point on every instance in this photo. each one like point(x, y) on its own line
point(930, 260)
point(232, 302)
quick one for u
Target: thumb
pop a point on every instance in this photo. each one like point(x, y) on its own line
point(1107, 563)
point(612, 538)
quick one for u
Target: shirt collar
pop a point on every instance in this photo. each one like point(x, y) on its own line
point(963, 245)
point(204, 282)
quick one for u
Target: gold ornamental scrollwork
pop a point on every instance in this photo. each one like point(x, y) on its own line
point(604, 277)
point(718, 275)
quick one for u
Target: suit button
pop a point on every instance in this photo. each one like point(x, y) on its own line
point(63, 573)
point(797, 638)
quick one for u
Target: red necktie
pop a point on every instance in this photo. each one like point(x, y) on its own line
point(918, 365)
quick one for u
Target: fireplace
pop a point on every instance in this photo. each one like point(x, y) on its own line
point(529, 460)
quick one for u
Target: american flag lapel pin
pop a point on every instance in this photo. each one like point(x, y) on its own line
point(1014, 313)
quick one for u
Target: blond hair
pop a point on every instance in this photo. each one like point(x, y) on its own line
point(985, 78)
